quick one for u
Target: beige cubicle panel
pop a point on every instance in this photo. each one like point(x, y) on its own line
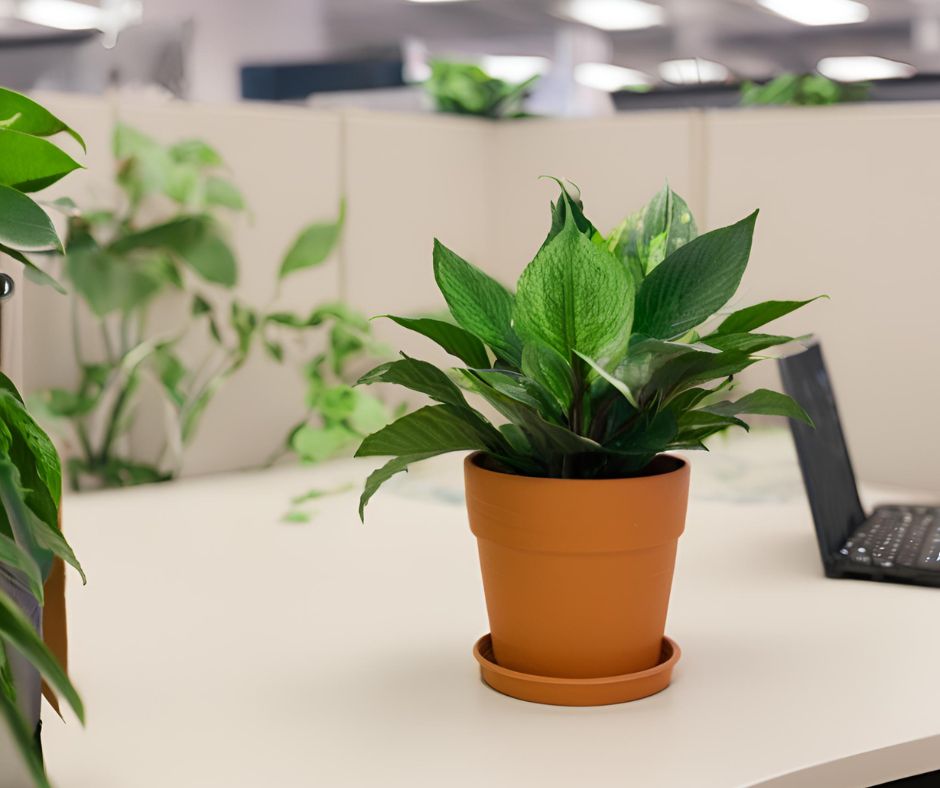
point(848, 208)
point(619, 162)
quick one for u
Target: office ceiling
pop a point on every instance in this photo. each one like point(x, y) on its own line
point(750, 40)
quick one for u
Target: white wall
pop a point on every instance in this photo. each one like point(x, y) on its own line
point(847, 209)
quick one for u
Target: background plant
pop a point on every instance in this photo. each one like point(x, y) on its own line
point(466, 89)
point(30, 475)
point(169, 237)
point(599, 361)
point(802, 90)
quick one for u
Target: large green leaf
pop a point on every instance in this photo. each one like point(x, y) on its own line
point(478, 302)
point(24, 226)
point(433, 428)
point(20, 113)
point(225, 193)
point(30, 163)
point(418, 376)
point(176, 235)
point(314, 244)
point(315, 444)
point(454, 339)
point(752, 317)
point(694, 282)
point(762, 402)
point(195, 151)
point(16, 629)
point(569, 205)
point(575, 297)
point(108, 282)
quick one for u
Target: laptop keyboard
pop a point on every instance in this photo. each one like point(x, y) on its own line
point(907, 536)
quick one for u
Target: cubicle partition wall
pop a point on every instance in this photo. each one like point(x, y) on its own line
point(846, 209)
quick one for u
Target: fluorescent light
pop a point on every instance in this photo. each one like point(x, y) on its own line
point(865, 67)
point(438, 1)
point(514, 68)
point(614, 14)
point(819, 12)
point(692, 71)
point(61, 14)
point(604, 76)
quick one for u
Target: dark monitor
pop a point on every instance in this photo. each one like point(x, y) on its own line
point(822, 452)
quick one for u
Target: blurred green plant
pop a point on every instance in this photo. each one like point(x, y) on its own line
point(30, 473)
point(466, 89)
point(170, 237)
point(802, 90)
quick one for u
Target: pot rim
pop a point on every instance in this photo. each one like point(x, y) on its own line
point(472, 460)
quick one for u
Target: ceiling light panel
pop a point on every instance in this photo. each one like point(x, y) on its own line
point(614, 14)
point(863, 68)
point(818, 12)
point(693, 71)
point(608, 77)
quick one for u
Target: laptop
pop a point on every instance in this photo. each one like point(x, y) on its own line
point(895, 543)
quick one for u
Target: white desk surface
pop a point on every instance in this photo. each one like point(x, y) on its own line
point(219, 647)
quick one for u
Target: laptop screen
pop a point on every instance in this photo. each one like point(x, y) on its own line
point(822, 452)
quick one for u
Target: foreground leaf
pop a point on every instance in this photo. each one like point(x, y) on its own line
point(694, 282)
point(478, 302)
point(23, 737)
point(30, 163)
point(434, 428)
point(454, 339)
point(763, 402)
point(25, 227)
point(20, 113)
point(752, 317)
point(575, 297)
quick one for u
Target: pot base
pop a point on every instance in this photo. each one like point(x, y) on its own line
point(576, 692)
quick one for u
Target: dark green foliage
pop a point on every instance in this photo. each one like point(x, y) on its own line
point(466, 89)
point(599, 361)
point(802, 90)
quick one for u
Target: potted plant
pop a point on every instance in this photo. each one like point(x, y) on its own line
point(607, 356)
point(30, 476)
point(466, 89)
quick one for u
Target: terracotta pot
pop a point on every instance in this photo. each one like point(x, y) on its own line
point(577, 572)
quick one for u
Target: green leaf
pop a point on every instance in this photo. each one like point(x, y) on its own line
point(417, 376)
point(22, 114)
point(176, 235)
point(752, 317)
point(613, 380)
point(368, 415)
point(455, 340)
point(762, 402)
point(694, 282)
point(575, 297)
point(12, 555)
point(213, 259)
point(24, 226)
point(29, 163)
point(314, 244)
point(197, 152)
point(548, 368)
point(478, 303)
point(315, 444)
point(522, 389)
point(568, 204)
point(378, 477)
point(110, 283)
point(16, 629)
point(746, 343)
point(697, 425)
point(432, 429)
point(222, 192)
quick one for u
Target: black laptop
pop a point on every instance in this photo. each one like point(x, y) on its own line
point(895, 543)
